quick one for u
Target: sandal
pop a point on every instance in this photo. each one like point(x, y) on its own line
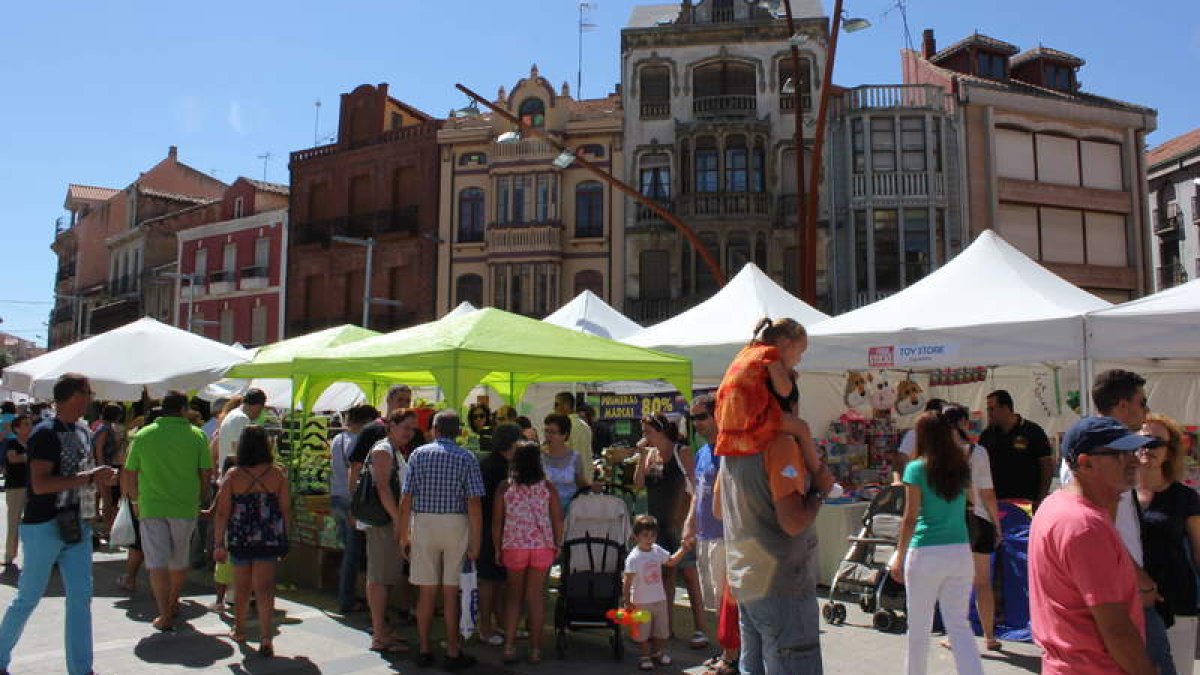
point(509, 657)
point(724, 667)
point(661, 658)
point(535, 656)
point(994, 645)
point(645, 663)
point(389, 646)
point(698, 640)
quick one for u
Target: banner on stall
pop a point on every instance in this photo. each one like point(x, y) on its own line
point(637, 406)
point(895, 356)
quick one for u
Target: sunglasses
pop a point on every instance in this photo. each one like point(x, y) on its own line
point(701, 417)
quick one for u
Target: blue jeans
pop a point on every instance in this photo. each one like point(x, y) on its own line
point(780, 636)
point(352, 545)
point(1157, 645)
point(43, 548)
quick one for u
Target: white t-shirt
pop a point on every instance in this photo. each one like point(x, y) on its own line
point(981, 479)
point(384, 445)
point(1127, 523)
point(581, 442)
point(230, 432)
point(908, 444)
point(647, 565)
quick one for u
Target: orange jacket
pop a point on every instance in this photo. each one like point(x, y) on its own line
point(748, 418)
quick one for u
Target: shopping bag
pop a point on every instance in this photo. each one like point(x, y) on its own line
point(468, 588)
point(729, 632)
point(122, 533)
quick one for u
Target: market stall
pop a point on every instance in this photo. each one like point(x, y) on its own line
point(588, 313)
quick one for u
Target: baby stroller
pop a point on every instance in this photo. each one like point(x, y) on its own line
point(593, 564)
point(862, 575)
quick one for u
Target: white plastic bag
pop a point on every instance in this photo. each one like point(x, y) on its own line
point(122, 533)
point(468, 588)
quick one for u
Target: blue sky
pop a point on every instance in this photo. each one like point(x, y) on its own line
point(95, 92)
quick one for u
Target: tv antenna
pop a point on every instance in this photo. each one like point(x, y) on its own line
point(317, 123)
point(265, 157)
point(584, 25)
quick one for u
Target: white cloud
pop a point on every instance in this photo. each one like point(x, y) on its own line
point(235, 117)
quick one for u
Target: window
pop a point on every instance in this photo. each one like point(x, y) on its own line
point(790, 265)
point(544, 197)
point(230, 253)
point(760, 251)
point(736, 164)
point(589, 210)
point(655, 274)
point(705, 283)
point(470, 215)
point(737, 252)
point(238, 205)
point(472, 159)
point(787, 101)
point(862, 255)
point(227, 326)
point(706, 165)
point(724, 78)
point(936, 144)
point(1057, 77)
point(722, 11)
point(758, 168)
point(887, 250)
point(469, 288)
point(533, 112)
point(917, 249)
point(518, 199)
point(654, 85)
point(883, 144)
point(857, 146)
point(593, 149)
point(589, 280)
point(912, 143)
point(655, 181)
point(258, 326)
point(991, 65)
point(503, 197)
point(397, 121)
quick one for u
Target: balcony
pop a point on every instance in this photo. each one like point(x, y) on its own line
point(787, 103)
point(526, 149)
point(883, 97)
point(405, 220)
point(254, 277)
point(222, 281)
point(530, 239)
point(724, 205)
point(898, 184)
point(729, 105)
point(653, 310)
point(656, 110)
point(645, 218)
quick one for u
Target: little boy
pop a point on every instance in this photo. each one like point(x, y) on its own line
point(644, 590)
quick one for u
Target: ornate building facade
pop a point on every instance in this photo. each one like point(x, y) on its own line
point(519, 230)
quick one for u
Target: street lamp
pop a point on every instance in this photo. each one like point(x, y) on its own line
point(671, 219)
point(369, 244)
point(808, 200)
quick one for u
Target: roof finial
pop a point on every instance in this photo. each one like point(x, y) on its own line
point(533, 72)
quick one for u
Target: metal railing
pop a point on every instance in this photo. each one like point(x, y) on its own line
point(898, 184)
point(787, 102)
point(655, 110)
point(727, 104)
point(404, 220)
point(255, 272)
point(527, 238)
point(528, 148)
point(876, 97)
point(717, 204)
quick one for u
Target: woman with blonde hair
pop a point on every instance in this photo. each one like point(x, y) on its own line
point(1170, 515)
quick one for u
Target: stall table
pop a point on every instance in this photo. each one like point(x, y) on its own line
point(834, 523)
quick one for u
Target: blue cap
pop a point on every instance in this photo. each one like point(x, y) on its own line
point(1094, 433)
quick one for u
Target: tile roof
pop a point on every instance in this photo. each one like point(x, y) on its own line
point(1040, 52)
point(1173, 148)
point(976, 40)
point(176, 196)
point(592, 108)
point(263, 186)
point(89, 193)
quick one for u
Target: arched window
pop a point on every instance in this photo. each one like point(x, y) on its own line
point(724, 78)
point(533, 112)
point(654, 88)
point(470, 215)
point(737, 252)
point(706, 164)
point(589, 210)
point(787, 101)
point(589, 280)
point(469, 288)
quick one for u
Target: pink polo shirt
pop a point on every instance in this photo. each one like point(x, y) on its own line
point(1077, 561)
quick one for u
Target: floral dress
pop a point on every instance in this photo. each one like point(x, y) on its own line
point(257, 529)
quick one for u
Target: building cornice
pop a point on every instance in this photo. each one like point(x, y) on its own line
point(264, 219)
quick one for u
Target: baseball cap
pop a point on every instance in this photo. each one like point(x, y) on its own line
point(1095, 433)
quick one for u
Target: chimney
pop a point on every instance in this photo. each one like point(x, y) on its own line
point(173, 153)
point(928, 44)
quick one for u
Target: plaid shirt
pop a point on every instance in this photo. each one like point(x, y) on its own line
point(441, 477)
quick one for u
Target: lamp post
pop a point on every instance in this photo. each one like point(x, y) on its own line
point(567, 154)
point(191, 282)
point(369, 244)
point(807, 201)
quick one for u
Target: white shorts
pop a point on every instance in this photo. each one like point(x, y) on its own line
point(710, 563)
point(166, 542)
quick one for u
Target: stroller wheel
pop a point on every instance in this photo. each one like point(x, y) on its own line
point(827, 612)
point(901, 625)
point(883, 620)
point(839, 613)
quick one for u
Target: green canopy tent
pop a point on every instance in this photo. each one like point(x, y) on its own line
point(493, 347)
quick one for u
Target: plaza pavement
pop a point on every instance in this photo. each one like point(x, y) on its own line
point(311, 640)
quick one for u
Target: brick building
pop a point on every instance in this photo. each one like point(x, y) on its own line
point(1055, 170)
point(97, 266)
point(378, 182)
point(232, 271)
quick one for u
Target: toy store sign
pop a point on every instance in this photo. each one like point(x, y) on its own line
point(892, 356)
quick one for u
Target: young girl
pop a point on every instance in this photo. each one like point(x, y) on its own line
point(644, 590)
point(933, 558)
point(222, 571)
point(527, 531)
point(253, 508)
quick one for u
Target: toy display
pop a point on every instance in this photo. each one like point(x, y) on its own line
point(882, 396)
point(910, 397)
point(856, 389)
point(856, 450)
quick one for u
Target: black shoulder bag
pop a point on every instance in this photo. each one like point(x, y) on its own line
point(365, 505)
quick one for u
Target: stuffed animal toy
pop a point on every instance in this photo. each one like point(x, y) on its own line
point(882, 397)
point(910, 397)
point(856, 389)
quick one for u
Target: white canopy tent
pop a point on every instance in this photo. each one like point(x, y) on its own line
point(463, 307)
point(713, 332)
point(588, 313)
point(123, 361)
point(1163, 325)
point(990, 305)
point(339, 396)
